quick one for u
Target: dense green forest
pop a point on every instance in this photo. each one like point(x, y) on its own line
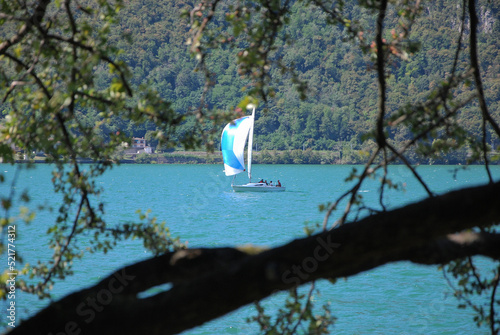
point(341, 85)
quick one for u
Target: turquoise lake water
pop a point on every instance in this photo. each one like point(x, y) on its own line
point(198, 205)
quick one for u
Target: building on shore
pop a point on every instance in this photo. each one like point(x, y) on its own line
point(139, 146)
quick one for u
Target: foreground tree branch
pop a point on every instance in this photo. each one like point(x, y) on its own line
point(208, 283)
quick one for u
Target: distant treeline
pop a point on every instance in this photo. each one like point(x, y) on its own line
point(296, 156)
point(345, 155)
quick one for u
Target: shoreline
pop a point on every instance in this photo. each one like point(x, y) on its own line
point(210, 159)
point(297, 156)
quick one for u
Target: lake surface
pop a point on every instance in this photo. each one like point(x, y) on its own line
point(198, 205)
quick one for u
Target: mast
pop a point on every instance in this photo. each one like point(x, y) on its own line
point(250, 144)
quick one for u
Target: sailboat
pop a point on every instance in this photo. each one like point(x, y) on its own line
point(234, 139)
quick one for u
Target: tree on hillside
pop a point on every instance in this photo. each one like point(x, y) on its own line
point(48, 65)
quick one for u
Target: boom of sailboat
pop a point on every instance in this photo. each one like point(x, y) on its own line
point(234, 139)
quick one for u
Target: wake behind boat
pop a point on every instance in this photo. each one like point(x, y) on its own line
point(234, 139)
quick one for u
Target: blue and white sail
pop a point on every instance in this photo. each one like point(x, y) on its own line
point(234, 138)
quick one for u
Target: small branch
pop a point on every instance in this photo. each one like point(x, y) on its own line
point(492, 302)
point(105, 58)
point(29, 70)
point(353, 191)
point(36, 18)
point(412, 169)
point(384, 180)
point(479, 83)
point(303, 311)
point(474, 272)
point(70, 17)
point(59, 257)
point(380, 137)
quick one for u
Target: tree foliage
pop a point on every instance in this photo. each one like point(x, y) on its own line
point(382, 68)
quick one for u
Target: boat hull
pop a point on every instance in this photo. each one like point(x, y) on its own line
point(257, 187)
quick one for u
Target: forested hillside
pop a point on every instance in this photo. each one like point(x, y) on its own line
point(342, 89)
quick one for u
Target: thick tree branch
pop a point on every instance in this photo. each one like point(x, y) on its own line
point(454, 246)
point(208, 283)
